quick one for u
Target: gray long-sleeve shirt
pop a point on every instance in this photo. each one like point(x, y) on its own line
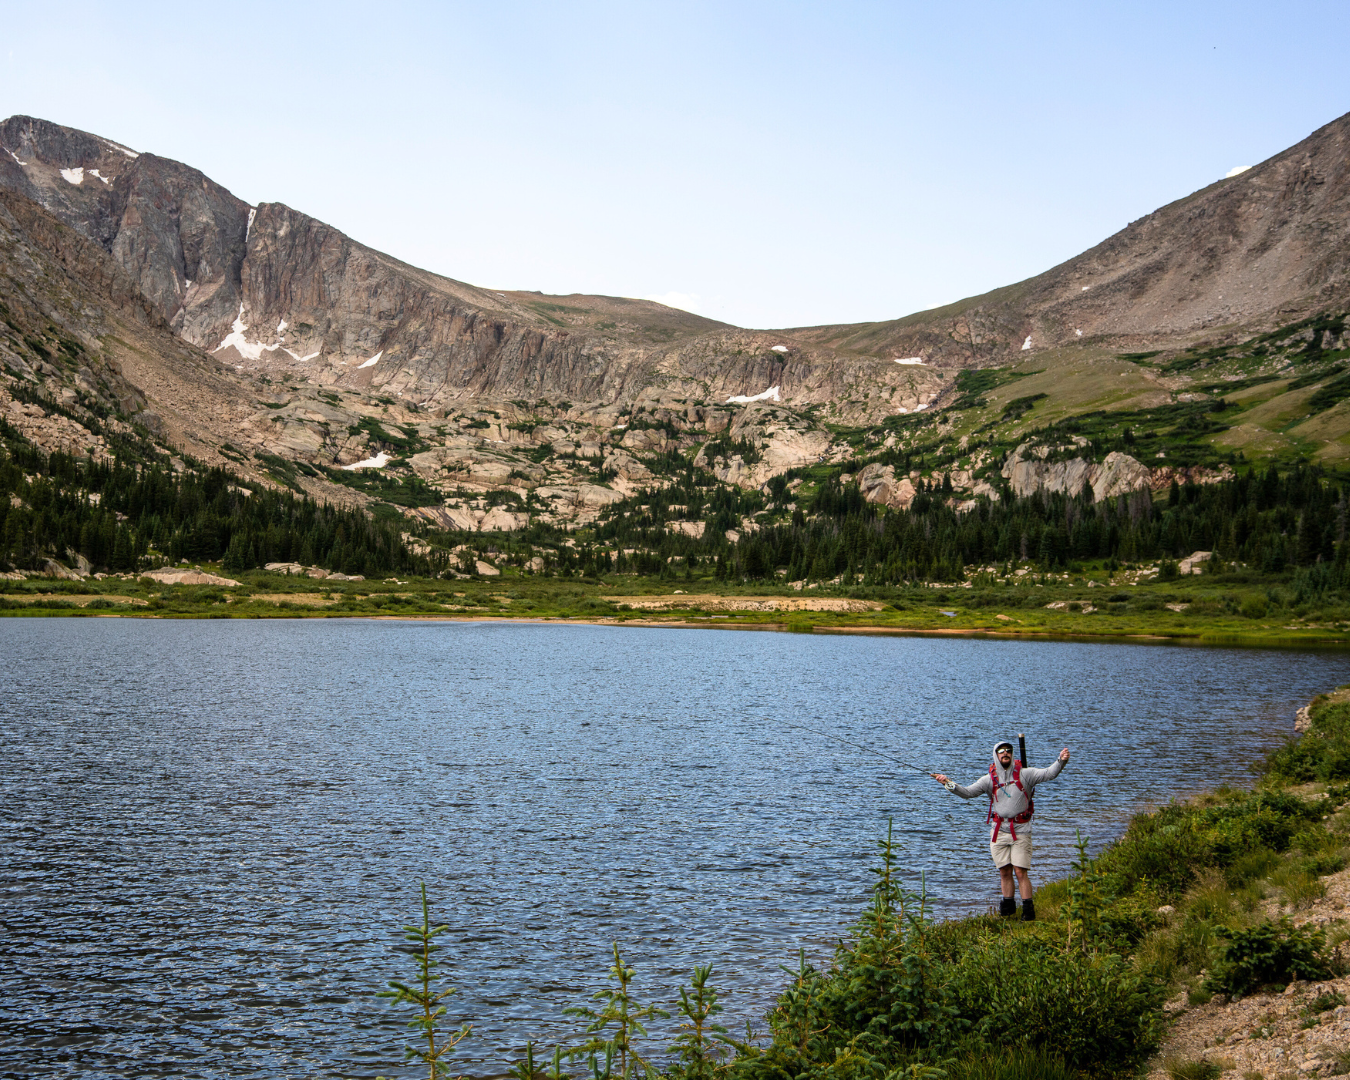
point(1009, 802)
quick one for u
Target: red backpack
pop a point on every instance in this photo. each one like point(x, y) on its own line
point(1013, 822)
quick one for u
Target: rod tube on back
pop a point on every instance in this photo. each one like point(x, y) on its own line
point(1022, 748)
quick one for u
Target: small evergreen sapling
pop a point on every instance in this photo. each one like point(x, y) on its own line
point(623, 1012)
point(1086, 899)
point(427, 1000)
point(701, 1043)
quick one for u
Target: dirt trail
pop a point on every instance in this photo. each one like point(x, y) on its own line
point(1263, 1035)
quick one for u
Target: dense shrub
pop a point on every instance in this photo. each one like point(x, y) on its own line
point(1091, 1007)
point(1164, 849)
point(1270, 952)
point(904, 993)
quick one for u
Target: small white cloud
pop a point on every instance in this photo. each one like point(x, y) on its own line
point(683, 301)
point(1236, 170)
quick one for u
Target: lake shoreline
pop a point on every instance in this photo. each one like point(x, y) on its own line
point(1256, 639)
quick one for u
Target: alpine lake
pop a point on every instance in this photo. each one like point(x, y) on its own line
point(215, 830)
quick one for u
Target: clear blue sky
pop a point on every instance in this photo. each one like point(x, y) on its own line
point(770, 164)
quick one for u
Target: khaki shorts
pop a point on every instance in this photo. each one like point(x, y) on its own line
point(1007, 851)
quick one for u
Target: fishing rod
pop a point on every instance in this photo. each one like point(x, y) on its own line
point(856, 746)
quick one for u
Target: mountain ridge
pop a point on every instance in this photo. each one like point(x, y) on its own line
point(1228, 241)
point(263, 337)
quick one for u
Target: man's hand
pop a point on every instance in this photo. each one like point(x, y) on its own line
point(940, 778)
point(1064, 755)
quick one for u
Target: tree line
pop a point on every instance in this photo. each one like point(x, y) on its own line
point(116, 512)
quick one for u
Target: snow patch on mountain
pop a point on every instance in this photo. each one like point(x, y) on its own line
point(253, 350)
point(119, 148)
point(379, 461)
point(372, 361)
point(771, 394)
point(73, 176)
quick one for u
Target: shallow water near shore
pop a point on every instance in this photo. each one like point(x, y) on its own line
point(213, 830)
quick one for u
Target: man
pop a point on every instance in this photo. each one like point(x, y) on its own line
point(1010, 789)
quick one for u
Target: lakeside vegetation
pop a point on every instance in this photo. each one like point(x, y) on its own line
point(1059, 564)
point(1223, 608)
point(1192, 902)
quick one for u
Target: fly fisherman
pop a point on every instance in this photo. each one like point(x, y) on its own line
point(1010, 788)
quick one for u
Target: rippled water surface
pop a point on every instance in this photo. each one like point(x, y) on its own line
point(213, 830)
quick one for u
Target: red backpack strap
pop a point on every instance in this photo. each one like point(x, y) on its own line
point(993, 790)
point(1031, 799)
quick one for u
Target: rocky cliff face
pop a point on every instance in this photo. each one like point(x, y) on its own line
point(76, 330)
point(271, 290)
point(177, 234)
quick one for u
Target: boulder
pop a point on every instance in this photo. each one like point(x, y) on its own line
point(500, 520)
point(1191, 565)
point(169, 575)
point(879, 485)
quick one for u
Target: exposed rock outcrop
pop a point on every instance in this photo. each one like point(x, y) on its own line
point(1028, 471)
point(878, 484)
point(170, 575)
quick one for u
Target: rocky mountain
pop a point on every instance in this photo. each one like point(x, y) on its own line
point(1252, 251)
point(85, 352)
point(137, 289)
point(275, 291)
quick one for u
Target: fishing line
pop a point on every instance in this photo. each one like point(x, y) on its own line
point(856, 746)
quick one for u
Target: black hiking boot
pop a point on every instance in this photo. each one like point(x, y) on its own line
point(1008, 907)
point(1028, 911)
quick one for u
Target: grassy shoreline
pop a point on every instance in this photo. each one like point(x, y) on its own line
point(1197, 611)
point(1247, 639)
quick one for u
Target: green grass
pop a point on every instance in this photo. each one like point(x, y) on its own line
point(1215, 615)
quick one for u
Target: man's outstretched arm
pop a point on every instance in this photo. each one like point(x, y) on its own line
point(980, 787)
point(1039, 776)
